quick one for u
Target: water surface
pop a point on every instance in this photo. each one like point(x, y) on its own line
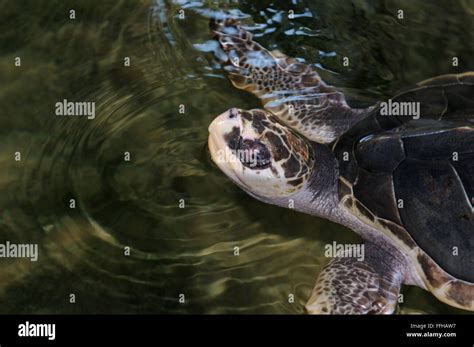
point(136, 203)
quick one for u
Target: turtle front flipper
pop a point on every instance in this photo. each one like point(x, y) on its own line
point(347, 285)
point(292, 91)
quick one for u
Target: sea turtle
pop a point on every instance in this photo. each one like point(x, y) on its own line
point(404, 183)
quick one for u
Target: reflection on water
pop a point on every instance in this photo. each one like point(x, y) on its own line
point(134, 204)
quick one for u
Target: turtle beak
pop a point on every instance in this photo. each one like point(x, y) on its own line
point(224, 124)
point(221, 132)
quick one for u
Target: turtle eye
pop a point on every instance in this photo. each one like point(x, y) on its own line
point(254, 154)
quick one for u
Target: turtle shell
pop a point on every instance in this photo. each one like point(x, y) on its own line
point(413, 179)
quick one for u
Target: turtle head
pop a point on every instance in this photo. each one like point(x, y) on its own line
point(261, 155)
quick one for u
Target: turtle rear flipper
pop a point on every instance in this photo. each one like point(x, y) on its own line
point(292, 91)
point(347, 285)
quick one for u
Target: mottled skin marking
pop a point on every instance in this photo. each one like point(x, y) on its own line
point(296, 182)
point(274, 145)
point(279, 150)
point(291, 166)
point(294, 157)
point(461, 293)
point(298, 146)
point(257, 122)
point(348, 286)
point(233, 138)
point(399, 232)
point(448, 289)
point(435, 277)
point(247, 115)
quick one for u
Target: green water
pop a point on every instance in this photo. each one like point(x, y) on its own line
point(135, 203)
